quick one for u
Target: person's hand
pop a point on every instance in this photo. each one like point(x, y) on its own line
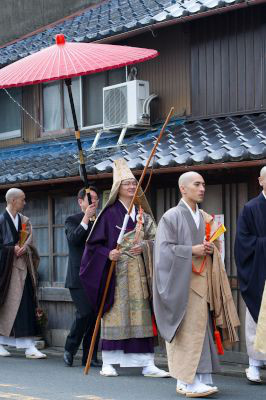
point(17, 248)
point(19, 251)
point(199, 250)
point(136, 250)
point(208, 247)
point(114, 255)
point(90, 212)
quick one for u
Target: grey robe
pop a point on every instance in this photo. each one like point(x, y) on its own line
point(180, 297)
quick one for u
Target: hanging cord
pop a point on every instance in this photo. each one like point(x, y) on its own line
point(42, 127)
point(23, 109)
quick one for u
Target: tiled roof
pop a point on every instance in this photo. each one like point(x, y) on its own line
point(210, 141)
point(111, 18)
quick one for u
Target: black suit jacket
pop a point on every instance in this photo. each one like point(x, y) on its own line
point(76, 238)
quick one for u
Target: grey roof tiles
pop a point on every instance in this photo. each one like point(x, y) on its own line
point(108, 19)
point(217, 140)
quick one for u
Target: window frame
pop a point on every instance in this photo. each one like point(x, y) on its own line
point(82, 128)
point(17, 133)
point(56, 132)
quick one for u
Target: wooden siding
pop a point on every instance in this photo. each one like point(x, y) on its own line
point(168, 74)
point(29, 129)
point(228, 63)
point(10, 142)
point(31, 103)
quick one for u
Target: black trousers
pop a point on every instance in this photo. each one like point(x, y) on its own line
point(25, 324)
point(83, 325)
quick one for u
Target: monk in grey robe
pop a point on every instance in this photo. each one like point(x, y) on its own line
point(182, 294)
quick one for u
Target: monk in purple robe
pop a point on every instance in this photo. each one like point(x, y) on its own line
point(127, 330)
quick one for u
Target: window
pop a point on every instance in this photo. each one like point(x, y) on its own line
point(47, 214)
point(62, 208)
point(56, 106)
point(37, 211)
point(10, 114)
point(88, 99)
point(93, 94)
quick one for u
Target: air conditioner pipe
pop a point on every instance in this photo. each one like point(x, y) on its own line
point(146, 104)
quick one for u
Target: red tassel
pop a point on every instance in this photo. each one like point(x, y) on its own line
point(218, 342)
point(154, 326)
point(207, 231)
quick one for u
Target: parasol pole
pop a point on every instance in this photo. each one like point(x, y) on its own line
point(77, 135)
point(119, 241)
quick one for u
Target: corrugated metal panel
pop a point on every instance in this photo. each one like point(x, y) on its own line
point(228, 63)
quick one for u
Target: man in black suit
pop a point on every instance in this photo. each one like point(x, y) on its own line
point(78, 227)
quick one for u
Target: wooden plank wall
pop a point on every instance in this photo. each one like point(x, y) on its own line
point(31, 102)
point(228, 63)
point(168, 74)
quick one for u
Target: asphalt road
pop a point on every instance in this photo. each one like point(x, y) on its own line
point(22, 379)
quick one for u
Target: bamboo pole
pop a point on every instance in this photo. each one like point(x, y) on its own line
point(111, 270)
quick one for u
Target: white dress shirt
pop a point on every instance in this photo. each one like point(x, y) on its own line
point(264, 194)
point(85, 226)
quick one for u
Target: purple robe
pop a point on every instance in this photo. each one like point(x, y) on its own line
point(94, 269)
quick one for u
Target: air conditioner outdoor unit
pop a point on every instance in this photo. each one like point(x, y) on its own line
point(123, 105)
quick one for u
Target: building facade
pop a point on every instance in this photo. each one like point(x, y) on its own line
point(210, 68)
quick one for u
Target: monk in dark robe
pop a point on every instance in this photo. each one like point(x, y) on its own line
point(250, 257)
point(18, 270)
point(127, 330)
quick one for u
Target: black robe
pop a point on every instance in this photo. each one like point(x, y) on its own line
point(250, 253)
point(25, 322)
point(9, 236)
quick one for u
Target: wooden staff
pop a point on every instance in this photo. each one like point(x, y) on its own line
point(119, 241)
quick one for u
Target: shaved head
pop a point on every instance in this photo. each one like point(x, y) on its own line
point(13, 193)
point(192, 188)
point(188, 177)
point(262, 179)
point(263, 171)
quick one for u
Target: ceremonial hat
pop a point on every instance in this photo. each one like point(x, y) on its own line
point(122, 172)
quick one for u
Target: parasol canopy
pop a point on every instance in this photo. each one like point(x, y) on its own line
point(65, 60)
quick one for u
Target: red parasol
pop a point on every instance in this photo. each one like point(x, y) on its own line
point(67, 60)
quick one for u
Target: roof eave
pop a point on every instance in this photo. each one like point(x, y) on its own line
point(174, 21)
point(157, 171)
